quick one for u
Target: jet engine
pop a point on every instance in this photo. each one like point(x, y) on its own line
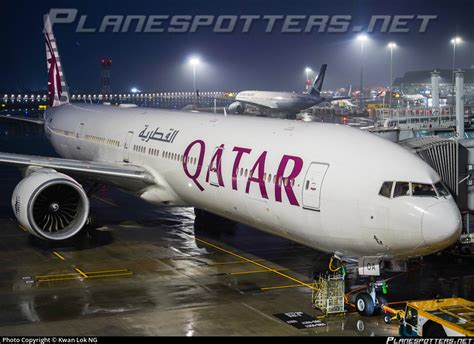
point(50, 205)
point(237, 107)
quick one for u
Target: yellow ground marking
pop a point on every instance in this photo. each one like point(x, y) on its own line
point(111, 275)
point(81, 272)
point(254, 272)
point(257, 264)
point(59, 279)
point(104, 271)
point(105, 201)
point(57, 275)
point(22, 228)
point(260, 271)
point(283, 287)
point(85, 272)
point(88, 277)
point(235, 262)
point(58, 255)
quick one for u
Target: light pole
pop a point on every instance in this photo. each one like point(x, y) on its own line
point(361, 38)
point(307, 70)
point(194, 61)
point(391, 46)
point(455, 41)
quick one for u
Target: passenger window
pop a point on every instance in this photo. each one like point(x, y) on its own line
point(386, 189)
point(442, 190)
point(423, 190)
point(401, 189)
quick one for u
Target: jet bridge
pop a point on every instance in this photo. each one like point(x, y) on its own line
point(453, 160)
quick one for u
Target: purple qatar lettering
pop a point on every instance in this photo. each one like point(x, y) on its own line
point(298, 165)
point(216, 165)
point(196, 175)
point(240, 151)
point(258, 169)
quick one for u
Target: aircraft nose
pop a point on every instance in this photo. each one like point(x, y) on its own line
point(441, 224)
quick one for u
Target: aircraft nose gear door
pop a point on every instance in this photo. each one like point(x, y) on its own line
point(126, 146)
point(313, 184)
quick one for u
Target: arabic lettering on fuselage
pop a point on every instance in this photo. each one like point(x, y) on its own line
point(156, 135)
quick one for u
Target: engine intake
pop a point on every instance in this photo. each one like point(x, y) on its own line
point(237, 107)
point(50, 205)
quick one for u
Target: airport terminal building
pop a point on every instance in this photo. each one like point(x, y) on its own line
point(414, 82)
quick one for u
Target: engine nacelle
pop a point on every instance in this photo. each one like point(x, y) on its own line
point(50, 205)
point(237, 107)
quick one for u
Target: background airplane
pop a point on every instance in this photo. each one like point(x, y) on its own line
point(284, 102)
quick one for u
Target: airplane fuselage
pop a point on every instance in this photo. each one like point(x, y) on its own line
point(281, 101)
point(316, 184)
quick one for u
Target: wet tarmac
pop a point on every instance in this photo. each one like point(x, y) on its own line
point(156, 271)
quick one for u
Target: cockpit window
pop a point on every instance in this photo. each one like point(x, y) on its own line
point(401, 189)
point(423, 190)
point(442, 191)
point(386, 189)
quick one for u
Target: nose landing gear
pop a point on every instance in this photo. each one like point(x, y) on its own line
point(371, 302)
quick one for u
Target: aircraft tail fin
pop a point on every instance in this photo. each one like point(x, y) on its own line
point(58, 92)
point(318, 81)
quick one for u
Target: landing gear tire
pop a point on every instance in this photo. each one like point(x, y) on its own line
point(387, 319)
point(364, 304)
point(380, 302)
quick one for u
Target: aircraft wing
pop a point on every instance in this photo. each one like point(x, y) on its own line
point(38, 121)
point(123, 175)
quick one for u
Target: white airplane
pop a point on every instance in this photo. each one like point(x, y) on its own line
point(284, 102)
point(330, 187)
point(413, 98)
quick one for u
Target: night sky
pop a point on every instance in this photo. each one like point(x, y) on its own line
point(231, 61)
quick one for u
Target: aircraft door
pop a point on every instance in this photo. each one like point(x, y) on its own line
point(312, 186)
point(127, 146)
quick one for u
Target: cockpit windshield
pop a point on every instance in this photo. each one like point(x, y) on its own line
point(393, 189)
point(442, 191)
point(401, 189)
point(423, 190)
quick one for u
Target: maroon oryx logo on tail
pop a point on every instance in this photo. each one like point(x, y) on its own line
point(57, 89)
point(54, 79)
